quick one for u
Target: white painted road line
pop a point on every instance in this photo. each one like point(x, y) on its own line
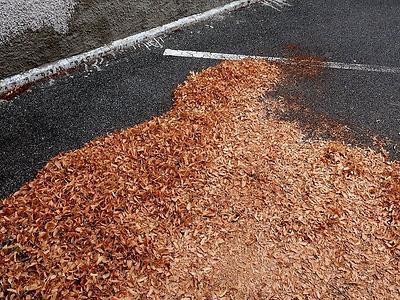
point(276, 4)
point(331, 65)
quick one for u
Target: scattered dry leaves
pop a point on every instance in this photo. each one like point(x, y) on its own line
point(217, 199)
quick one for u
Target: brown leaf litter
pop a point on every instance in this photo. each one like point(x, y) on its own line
point(217, 199)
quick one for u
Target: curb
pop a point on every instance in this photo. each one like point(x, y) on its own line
point(27, 78)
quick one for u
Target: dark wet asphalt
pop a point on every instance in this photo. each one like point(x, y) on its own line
point(70, 111)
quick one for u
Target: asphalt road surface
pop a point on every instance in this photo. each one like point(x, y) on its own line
point(67, 112)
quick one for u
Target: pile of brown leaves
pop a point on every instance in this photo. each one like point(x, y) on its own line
point(217, 199)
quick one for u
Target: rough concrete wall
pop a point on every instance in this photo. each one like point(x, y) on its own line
point(18, 16)
point(35, 32)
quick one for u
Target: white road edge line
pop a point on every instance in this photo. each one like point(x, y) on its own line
point(10, 83)
point(329, 64)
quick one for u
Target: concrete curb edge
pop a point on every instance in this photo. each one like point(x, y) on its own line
point(47, 70)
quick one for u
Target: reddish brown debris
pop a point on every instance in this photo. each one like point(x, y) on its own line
point(7, 96)
point(217, 199)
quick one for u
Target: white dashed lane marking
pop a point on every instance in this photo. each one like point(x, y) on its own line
point(329, 64)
